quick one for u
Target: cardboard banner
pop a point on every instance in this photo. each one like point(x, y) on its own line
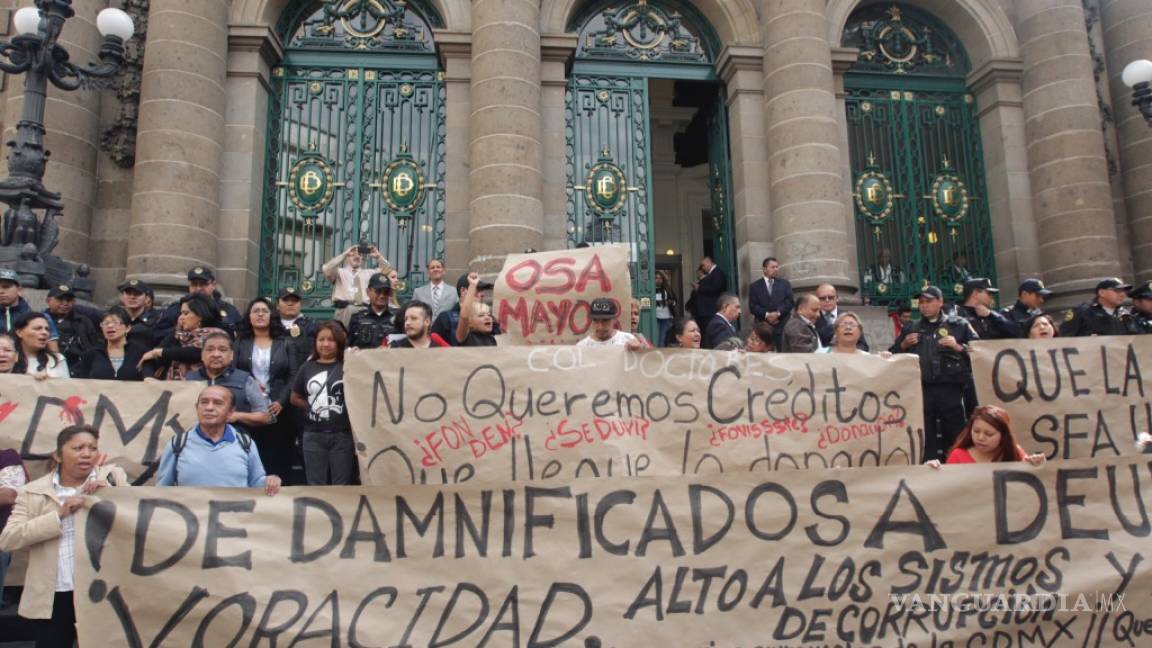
point(544, 297)
point(135, 419)
point(522, 413)
point(1050, 556)
point(1070, 397)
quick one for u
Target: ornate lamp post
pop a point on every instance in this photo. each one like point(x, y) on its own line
point(1138, 76)
point(34, 52)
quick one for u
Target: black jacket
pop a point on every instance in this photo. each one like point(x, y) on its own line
point(760, 303)
point(76, 336)
point(1140, 324)
point(301, 336)
point(1090, 318)
point(939, 365)
point(229, 317)
point(1021, 314)
point(142, 330)
point(96, 365)
point(708, 291)
point(368, 330)
point(996, 326)
point(281, 369)
point(717, 330)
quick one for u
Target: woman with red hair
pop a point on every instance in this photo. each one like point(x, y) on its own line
point(988, 438)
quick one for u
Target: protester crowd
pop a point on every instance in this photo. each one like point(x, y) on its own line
point(273, 399)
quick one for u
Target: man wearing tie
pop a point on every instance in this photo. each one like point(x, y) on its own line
point(708, 290)
point(829, 311)
point(438, 295)
point(721, 326)
point(770, 299)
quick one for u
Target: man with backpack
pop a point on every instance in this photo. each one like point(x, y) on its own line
point(213, 453)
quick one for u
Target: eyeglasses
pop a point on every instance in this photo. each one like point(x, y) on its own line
point(828, 298)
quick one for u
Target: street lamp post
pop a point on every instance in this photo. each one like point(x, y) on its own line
point(35, 53)
point(1138, 76)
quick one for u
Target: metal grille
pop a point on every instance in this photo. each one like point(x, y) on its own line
point(354, 121)
point(608, 119)
point(913, 138)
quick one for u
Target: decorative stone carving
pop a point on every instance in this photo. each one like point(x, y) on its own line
point(119, 139)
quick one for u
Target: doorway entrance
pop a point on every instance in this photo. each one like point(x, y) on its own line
point(647, 144)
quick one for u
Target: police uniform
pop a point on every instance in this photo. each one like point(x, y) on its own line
point(230, 318)
point(368, 329)
point(1019, 312)
point(142, 328)
point(944, 375)
point(75, 333)
point(1141, 321)
point(302, 331)
point(1090, 318)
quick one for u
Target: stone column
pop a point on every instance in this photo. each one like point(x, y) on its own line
point(996, 86)
point(180, 143)
point(507, 214)
point(1127, 28)
point(72, 121)
point(456, 48)
point(809, 221)
point(1066, 160)
point(555, 51)
point(742, 69)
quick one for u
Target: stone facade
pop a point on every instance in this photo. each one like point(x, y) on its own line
point(1070, 202)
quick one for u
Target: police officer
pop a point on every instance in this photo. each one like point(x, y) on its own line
point(1104, 315)
point(1030, 300)
point(300, 328)
point(201, 280)
point(989, 324)
point(1141, 321)
point(941, 340)
point(371, 326)
point(136, 297)
point(76, 333)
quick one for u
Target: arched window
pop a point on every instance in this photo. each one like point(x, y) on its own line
point(918, 170)
point(355, 143)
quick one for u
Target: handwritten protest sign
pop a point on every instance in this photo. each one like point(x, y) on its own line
point(135, 419)
point(544, 297)
point(568, 412)
point(1050, 556)
point(1070, 397)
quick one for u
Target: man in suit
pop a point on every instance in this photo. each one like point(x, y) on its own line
point(800, 332)
point(829, 311)
point(437, 294)
point(770, 299)
point(708, 290)
point(722, 325)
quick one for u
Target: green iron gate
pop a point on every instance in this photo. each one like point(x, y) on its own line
point(356, 148)
point(609, 166)
point(918, 173)
point(609, 158)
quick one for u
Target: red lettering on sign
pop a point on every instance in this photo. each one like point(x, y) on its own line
point(594, 271)
point(506, 311)
point(559, 267)
point(7, 408)
point(520, 285)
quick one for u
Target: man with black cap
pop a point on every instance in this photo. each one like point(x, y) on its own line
point(201, 280)
point(604, 314)
point(1141, 321)
point(941, 340)
point(12, 304)
point(445, 323)
point(976, 307)
point(1104, 315)
point(136, 297)
point(76, 333)
point(371, 326)
point(1029, 300)
point(300, 328)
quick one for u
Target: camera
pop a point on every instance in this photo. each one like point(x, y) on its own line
point(364, 248)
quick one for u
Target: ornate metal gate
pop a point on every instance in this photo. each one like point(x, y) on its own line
point(918, 172)
point(356, 146)
point(609, 168)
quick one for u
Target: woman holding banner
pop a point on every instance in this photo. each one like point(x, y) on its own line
point(8, 355)
point(685, 334)
point(988, 438)
point(1042, 327)
point(846, 333)
point(182, 348)
point(43, 522)
point(35, 358)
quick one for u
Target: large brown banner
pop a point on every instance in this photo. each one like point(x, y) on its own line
point(135, 419)
point(522, 413)
point(1070, 397)
point(1049, 556)
point(544, 297)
